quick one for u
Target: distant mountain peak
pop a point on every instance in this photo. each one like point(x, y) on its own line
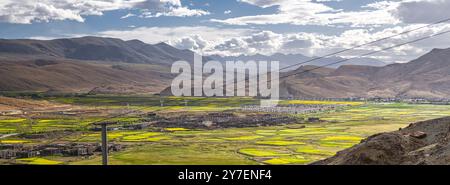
point(434, 50)
point(163, 44)
point(135, 41)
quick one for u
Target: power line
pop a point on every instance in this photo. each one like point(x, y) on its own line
point(361, 45)
point(358, 46)
point(369, 53)
point(366, 44)
point(372, 52)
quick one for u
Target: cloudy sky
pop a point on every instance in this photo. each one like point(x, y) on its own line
point(234, 27)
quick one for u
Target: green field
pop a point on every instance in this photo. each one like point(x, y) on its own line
point(285, 144)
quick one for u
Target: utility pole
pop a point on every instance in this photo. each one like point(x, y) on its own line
point(105, 140)
point(104, 145)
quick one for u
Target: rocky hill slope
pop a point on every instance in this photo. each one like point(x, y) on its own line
point(426, 142)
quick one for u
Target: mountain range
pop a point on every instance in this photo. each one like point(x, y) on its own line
point(109, 65)
point(87, 64)
point(96, 49)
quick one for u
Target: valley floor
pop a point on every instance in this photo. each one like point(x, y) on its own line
point(295, 143)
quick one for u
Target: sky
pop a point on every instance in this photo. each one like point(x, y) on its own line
point(238, 27)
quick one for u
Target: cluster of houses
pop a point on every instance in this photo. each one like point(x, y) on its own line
point(290, 109)
point(224, 120)
point(437, 101)
point(214, 120)
point(13, 151)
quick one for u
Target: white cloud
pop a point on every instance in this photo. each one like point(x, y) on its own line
point(157, 8)
point(316, 44)
point(263, 42)
point(423, 11)
point(232, 47)
point(127, 16)
point(206, 40)
point(232, 42)
point(194, 42)
point(28, 11)
point(176, 12)
point(325, 44)
point(328, 0)
point(159, 34)
point(198, 38)
point(308, 12)
point(227, 12)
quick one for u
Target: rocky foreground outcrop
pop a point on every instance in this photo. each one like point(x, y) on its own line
point(421, 143)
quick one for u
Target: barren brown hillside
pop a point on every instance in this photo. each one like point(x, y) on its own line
point(425, 142)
